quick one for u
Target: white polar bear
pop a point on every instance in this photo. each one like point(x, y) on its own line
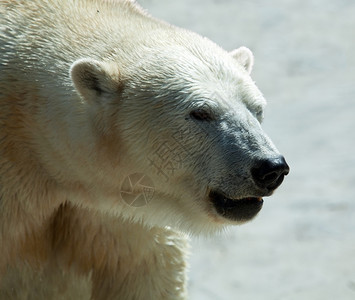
point(101, 105)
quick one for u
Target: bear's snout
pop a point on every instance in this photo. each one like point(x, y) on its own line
point(269, 173)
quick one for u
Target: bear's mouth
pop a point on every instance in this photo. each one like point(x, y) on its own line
point(239, 210)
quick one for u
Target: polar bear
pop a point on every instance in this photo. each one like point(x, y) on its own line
point(119, 135)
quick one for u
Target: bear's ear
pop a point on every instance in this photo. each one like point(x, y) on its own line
point(245, 57)
point(95, 80)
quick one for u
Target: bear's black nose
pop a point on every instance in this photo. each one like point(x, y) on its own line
point(269, 173)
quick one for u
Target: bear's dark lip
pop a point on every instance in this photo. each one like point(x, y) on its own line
point(239, 210)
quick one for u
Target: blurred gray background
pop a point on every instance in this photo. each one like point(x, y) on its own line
point(302, 244)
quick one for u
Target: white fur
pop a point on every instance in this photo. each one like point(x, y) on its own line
point(89, 90)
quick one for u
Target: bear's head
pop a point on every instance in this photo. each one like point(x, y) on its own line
point(181, 121)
